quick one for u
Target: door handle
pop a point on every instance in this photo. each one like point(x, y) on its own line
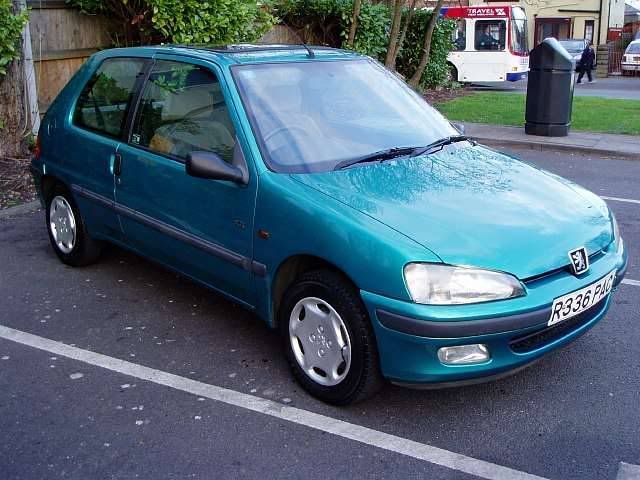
point(117, 164)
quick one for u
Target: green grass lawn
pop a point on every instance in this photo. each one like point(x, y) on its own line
point(593, 114)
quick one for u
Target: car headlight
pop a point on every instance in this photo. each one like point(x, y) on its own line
point(437, 284)
point(616, 233)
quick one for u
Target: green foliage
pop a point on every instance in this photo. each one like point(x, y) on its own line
point(214, 21)
point(187, 21)
point(373, 25)
point(437, 69)
point(330, 20)
point(11, 26)
point(89, 7)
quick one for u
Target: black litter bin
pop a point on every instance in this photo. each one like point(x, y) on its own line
point(549, 90)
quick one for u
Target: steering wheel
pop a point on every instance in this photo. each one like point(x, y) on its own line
point(285, 129)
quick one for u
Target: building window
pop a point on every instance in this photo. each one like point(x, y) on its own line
point(558, 28)
point(588, 29)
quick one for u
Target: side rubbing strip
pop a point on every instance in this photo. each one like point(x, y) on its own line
point(232, 257)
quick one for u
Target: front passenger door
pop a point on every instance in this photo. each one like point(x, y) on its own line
point(200, 227)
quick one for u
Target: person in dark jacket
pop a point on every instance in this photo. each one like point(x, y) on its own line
point(586, 62)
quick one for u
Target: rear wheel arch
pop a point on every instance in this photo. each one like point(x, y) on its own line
point(290, 270)
point(48, 184)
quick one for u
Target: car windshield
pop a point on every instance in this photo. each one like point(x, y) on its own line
point(633, 48)
point(573, 46)
point(315, 116)
point(519, 42)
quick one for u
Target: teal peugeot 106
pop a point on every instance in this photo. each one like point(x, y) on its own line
point(315, 188)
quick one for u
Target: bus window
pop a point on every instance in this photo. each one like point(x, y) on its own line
point(519, 45)
point(459, 35)
point(491, 34)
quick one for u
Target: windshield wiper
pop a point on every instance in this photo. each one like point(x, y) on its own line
point(395, 152)
point(440, 144)
point(378, 156)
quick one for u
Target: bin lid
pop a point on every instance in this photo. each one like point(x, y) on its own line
point(550, 55)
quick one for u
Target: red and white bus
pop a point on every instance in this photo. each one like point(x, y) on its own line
point(490, 44)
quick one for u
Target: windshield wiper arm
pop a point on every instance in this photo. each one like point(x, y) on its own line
point(381, 155)
point(395, 152)
point(439, 144)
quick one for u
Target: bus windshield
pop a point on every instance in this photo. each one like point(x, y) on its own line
point(519, 43)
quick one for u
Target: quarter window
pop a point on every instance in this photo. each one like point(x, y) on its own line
point(183, 110)
point(490, 34)
point(103, 104)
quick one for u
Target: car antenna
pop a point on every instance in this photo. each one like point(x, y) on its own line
point(310, 53)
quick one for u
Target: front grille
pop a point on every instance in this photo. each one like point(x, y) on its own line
point(540, 338)
point(594, 257)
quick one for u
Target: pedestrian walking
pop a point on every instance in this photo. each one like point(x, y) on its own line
point(586, 62)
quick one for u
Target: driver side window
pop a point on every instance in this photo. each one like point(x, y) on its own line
point(182, 110)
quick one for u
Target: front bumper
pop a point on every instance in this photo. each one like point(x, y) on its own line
point(516, 332)
point(516, 76)
point(630, 67)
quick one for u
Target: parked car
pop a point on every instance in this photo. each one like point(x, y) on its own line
point(575, 48)
point(631, 58)
point(315, 188)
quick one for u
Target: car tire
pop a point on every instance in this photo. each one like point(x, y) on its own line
point(67, 231)
point(335, 357)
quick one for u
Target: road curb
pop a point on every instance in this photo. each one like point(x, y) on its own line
point(611, 154)
point(20, 209)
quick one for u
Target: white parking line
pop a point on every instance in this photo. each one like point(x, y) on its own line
point(628, 281)
point(358, 433)
point(626, 471)
point(618, 199)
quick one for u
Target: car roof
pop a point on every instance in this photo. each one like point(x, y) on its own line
point(242, 53)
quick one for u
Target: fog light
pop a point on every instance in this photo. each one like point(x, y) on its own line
point(464, 354)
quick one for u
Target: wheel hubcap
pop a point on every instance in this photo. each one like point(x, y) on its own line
point(62, 224)
point(320, 341)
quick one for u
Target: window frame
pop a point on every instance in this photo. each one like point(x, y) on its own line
point(132, 101)
point(216, 71)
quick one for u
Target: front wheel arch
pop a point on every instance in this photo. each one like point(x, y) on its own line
point(454, 76)
point(293, 268)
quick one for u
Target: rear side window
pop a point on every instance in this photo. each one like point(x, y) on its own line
point(104, 102)
point(182, 110)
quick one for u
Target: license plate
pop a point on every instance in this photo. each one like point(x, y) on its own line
point(577, 302)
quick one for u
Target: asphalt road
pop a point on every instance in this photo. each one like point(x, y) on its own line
point(574, 415)
point(627, 88)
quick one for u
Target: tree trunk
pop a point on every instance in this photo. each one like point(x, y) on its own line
point(354, 23)
point(13, 111)
point(393, 36)
point(403, 34)
point(426, 50)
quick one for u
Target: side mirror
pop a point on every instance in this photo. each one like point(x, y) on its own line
point(459, 127)
point(210, 165)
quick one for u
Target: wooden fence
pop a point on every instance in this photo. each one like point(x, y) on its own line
point(62, 39)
